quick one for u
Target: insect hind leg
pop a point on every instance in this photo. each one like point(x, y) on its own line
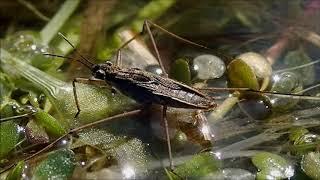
point(166, 126)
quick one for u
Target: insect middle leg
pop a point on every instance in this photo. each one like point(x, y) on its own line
point(146, 28)
point(164, 108)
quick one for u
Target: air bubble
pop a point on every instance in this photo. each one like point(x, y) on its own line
point(286, 82)
point(208, 66)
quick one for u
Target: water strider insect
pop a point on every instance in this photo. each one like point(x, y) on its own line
point(145, 87)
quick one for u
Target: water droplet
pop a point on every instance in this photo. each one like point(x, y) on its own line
point(286, 82)
point(217, 154)
point(82, 163)
point(33, 47)
point(27, 46)
point(21, 129)
point(208, 66)
point(22, 43)
point(63, 143)
point(24, 175)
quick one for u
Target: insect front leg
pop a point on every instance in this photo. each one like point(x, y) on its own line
point(84, 81)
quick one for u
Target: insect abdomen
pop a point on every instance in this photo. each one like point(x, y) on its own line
point(149, 88)
point(184, 99)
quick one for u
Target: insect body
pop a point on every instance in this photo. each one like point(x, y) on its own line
point(146, 87)
point(149, 88)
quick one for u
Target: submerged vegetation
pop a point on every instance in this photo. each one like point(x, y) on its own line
point(266, 124)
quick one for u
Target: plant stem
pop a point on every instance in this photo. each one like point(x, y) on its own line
point(52, 28)
point(250, 142)
point(222, 109)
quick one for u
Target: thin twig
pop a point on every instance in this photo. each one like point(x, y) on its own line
point(298, 67)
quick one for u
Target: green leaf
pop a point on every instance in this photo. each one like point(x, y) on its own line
point(200, 165)
point(6, 87)
point(231, 173)
point(95, 103)
point(16, 173)
point(181, 71)
point(265, 174)
point(296, 133)
point(310, 164)
point(51, 124)
point(9, 133)
point(130, 153)
point(58, 165)
point(241, 75)
point(272, 165)
point(9, 137)
point(151, 11)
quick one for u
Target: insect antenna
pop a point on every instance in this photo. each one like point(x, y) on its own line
point(83, 60)
point(66, 57)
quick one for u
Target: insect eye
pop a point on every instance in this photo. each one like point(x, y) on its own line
point(100, 74)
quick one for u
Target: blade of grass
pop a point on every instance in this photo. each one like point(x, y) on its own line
point(52, 28)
